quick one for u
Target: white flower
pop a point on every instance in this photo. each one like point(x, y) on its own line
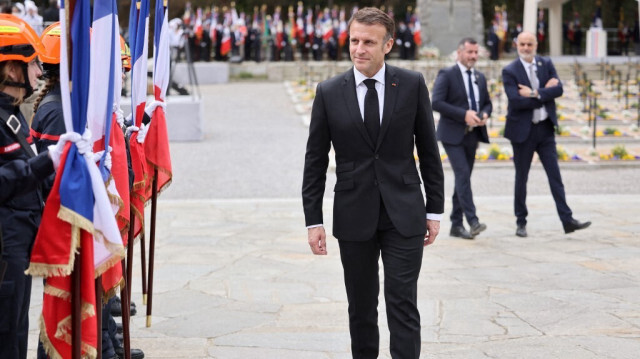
point(506, 151)
point(585, 130)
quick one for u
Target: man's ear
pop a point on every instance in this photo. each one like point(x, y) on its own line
point(388, 46)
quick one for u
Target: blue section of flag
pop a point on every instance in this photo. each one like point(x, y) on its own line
point(138, 46)
point(133, 24)
point(76, 191)
point(105, 10)
point(101, 9)
point(159, 13)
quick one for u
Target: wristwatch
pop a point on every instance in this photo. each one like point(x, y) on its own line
point(533, 93)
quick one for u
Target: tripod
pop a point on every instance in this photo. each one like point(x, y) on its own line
point(193, 80)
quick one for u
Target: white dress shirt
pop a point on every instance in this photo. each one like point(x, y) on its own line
point(361, 88)
point(527, 69)
point(474, 84)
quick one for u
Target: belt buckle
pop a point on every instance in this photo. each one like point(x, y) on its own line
point(14, 124)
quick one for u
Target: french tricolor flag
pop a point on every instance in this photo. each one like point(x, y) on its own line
point(105, 38)
point(156, 143)
point(67, 224)
point(105, 74)
point(139, 49)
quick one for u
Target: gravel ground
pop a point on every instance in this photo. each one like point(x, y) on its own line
point(255, 142)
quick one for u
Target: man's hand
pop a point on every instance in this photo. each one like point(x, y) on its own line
point(484, 119)
point(471, 118)
point(433, 228)
point(318, 240)
point(524, 91)
point(552, 82)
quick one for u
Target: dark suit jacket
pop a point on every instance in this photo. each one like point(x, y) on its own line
point(368, 171)
point(520, 112)
point(451, 100)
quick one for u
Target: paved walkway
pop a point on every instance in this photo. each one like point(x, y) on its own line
point(235, 277)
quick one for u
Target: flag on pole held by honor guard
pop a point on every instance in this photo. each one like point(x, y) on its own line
point(139, 50)
point(156, 142)
point(75, 208)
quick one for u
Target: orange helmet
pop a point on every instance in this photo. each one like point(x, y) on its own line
point(18, 41)
point(125, 55)
point(51, 41)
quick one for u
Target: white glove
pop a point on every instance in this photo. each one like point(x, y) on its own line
point(119, 115)
point(85, 145)
point(131, 129)
point(152, 106)
point(142, 133)
point(55, 151)
point(97, 156)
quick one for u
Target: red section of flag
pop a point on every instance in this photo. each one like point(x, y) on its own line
point(225, 47)
point(342, 38)
point(156, 146)
point(57, 309)
point(327, 34)
point(120, 174)
point(53, 256)
point(138, 195)
point(52, 250)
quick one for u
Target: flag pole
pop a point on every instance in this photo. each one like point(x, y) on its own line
point(126, 315)
point(152, 242)
point(129, 272)
point(76, 304)
point(143, 266)
point(76, 300)
point(99, 316)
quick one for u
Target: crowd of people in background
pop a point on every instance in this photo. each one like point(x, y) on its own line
point(30, 13)
point(310, 33)
point(315, 33)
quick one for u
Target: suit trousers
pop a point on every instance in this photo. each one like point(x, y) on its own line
point(541, 140)
point(402, 259)
point(462, 157)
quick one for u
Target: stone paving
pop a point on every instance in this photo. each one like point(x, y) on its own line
point(235, 277)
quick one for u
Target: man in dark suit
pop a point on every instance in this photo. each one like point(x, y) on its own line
point(460, 95)
point(374, 115)
point(531, 84)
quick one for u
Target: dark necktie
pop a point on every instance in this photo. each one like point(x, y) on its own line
point(372, 110)
point(472, 95)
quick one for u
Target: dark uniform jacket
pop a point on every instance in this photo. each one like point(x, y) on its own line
point(46, 128)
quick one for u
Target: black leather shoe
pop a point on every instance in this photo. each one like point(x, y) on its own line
point(460, 231)
point(521, 231)
point(575, 225)
point(135, 353)
point(116, 308)
point(476, 228)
